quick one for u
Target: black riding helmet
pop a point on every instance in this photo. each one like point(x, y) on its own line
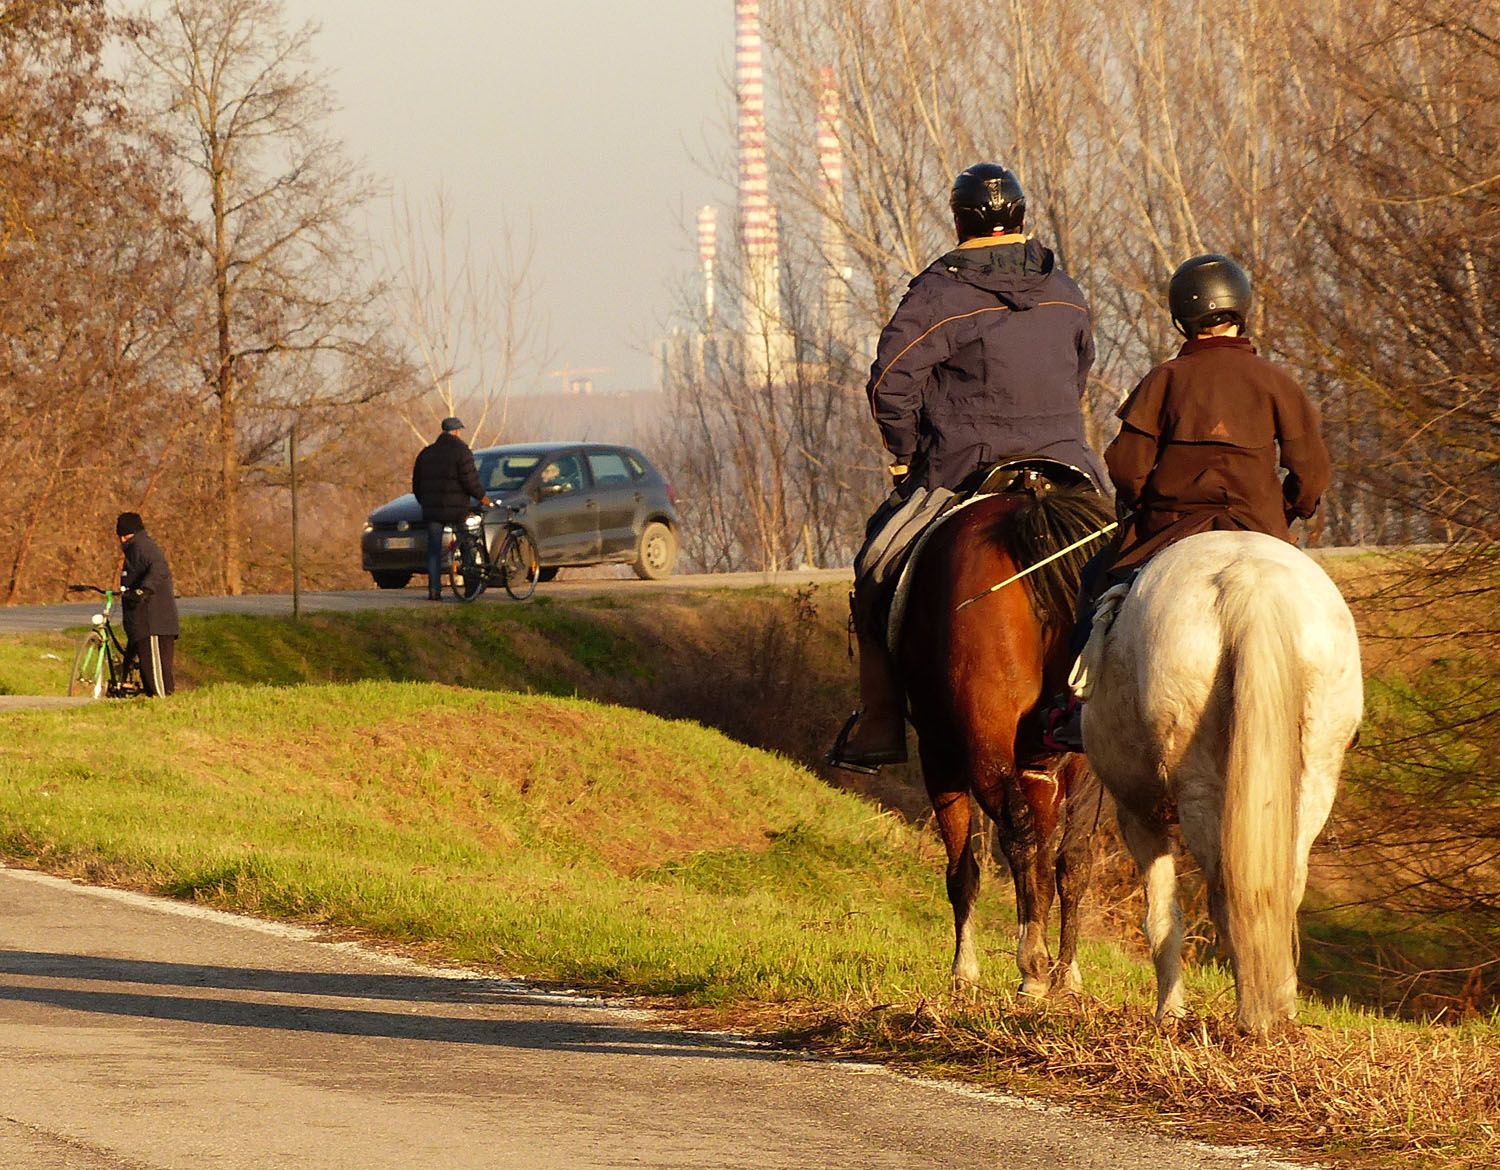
point(1208, 290)
point(986, 197)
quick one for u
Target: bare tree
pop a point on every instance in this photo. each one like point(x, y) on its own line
point(273, 223)
point(94, 339)
point(470, 316)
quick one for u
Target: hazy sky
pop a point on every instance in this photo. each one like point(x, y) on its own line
point(591, 119)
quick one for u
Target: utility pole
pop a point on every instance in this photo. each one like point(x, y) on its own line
point(296, 559)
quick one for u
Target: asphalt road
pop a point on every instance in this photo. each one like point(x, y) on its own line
point(141, 1034)
point(23, 618)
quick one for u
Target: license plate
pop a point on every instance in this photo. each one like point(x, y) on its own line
point(399, 542)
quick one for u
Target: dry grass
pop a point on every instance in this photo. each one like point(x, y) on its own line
point(1388, 1096)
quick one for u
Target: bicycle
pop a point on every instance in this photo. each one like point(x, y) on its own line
point(470, 569)
point(99, 667)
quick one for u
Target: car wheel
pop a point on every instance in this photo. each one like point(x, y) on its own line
point(657, 552)
point(547, 573)
point(391, 579)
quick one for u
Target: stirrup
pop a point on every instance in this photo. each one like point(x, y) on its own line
point(873, 763)
point(834, 755)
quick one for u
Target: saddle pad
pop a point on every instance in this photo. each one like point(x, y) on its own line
point(903, 582)
point(1086, 669)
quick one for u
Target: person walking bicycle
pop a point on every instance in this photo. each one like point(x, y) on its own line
point(444, 479)
point(150, 609)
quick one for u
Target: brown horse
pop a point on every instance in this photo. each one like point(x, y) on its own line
point(974, 677)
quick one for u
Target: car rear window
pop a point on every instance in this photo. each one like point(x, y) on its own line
point(637, 468)
point(609, 468)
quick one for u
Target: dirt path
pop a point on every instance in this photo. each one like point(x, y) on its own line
point(137, 1033)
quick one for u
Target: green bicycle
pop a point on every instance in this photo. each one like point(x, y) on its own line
point(99, 668)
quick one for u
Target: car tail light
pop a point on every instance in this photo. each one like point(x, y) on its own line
point(671, 494)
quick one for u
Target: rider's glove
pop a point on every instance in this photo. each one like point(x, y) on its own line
point(899, 471)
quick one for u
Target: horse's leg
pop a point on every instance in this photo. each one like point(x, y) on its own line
point(1075, 863)
point(1032, 875)
point(952, 809)
point(1149, 845)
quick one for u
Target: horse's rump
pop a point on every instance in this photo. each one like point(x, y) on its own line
point(1027, 527)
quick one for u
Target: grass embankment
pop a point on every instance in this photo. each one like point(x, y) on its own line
point(554, 838)
point(559, 839)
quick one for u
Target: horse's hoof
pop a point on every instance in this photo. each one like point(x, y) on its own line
point(1035, 988)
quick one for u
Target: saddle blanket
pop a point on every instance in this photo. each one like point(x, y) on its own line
point(1086, 670)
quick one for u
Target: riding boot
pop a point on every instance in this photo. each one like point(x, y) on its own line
point(1062, 724)
point(876, 733)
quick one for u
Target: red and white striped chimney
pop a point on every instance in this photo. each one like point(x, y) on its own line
point(757, 215)
point(831, 181)
point(708, 252)
point(757, 222)
point(830, 154)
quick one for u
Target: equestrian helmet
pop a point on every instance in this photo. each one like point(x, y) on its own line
point(987, 200)
point(1206, 291)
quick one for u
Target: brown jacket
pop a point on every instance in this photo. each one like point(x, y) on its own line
point(1198, 450)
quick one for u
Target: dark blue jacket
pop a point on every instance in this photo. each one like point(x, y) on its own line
point(986, 357)
point(444, 479)
point(146, 592)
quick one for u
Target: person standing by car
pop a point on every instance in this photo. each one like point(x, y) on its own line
point(150, 609)
point(444, 480)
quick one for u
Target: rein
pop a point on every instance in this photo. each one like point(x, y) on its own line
point(1026, 572)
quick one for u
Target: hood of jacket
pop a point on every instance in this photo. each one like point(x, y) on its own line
point(1016, 273)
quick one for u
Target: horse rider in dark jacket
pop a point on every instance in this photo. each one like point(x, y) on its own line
point(986, 358)
point(149, 607)
point(444, 480)
point(1204, 439)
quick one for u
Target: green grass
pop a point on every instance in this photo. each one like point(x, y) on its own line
point(37, 664)
point(551, 837)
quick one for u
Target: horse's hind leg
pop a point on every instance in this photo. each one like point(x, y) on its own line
point(952, 810)
point(1075, 865)
point(1149, 845)
point(1032, 874)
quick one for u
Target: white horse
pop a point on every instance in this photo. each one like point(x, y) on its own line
point(1227, 691)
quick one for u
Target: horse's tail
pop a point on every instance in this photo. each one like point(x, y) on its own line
point(1262, 776)
point(1040, 529)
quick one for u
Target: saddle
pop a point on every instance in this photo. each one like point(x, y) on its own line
point(1034, 474)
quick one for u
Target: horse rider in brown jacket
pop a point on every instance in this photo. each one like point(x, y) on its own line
point(1201, 439)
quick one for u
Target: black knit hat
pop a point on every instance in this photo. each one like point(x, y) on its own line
point(129, 523)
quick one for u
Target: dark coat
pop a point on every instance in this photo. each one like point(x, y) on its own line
point(444, 479)
point(986, 357)
point(146, 594)
point(1198, 449)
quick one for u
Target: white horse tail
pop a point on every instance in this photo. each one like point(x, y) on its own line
point(1262, 773)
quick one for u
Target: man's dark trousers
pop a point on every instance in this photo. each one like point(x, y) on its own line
point(435, 556)
point(154, 654)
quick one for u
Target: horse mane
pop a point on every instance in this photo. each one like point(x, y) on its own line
point(1043, 523)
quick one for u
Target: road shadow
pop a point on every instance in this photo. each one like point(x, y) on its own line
point(416, 988)
point(539, 1031)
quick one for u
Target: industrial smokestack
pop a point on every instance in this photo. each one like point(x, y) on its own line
point(708, 251)
point(831, 236)
point(763, 333)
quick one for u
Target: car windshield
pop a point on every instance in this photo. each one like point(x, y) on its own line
point(499, 472)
